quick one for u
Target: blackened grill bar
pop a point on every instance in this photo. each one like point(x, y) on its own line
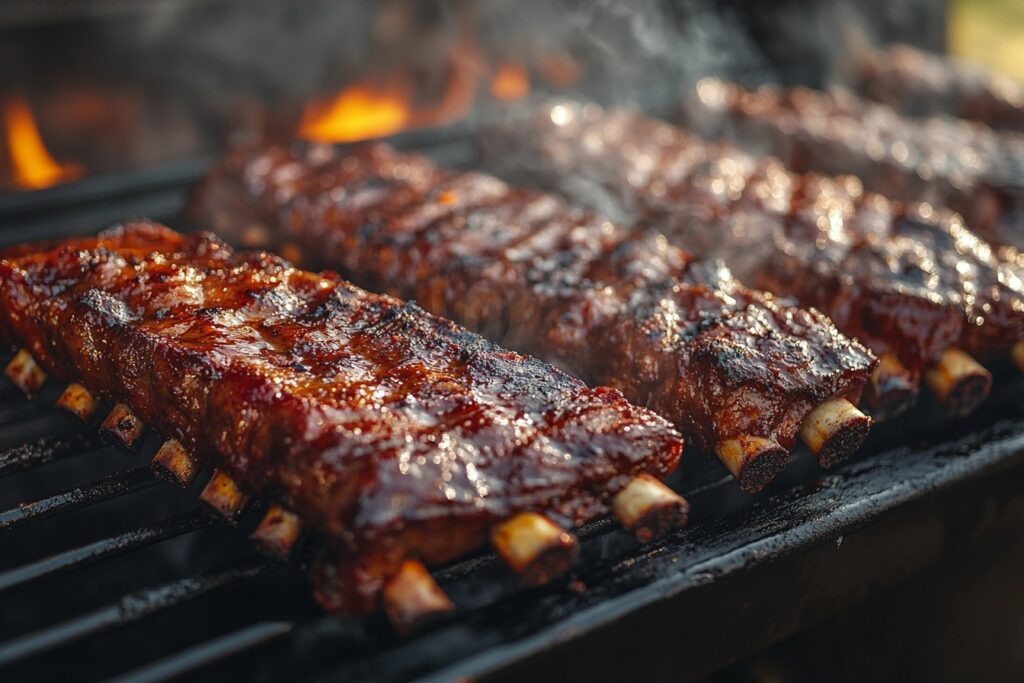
point(741, 375)
point(909, 280)
point(194, 341)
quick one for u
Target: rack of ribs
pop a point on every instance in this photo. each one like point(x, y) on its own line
point(921, 83)
point(740, 374)
point(397, 436)
point(952, 163)
point(910, 281)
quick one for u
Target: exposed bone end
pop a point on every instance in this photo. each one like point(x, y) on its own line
point(25, 373)
point(1017, 353)
point(960, 382)
point(223, 496)
point(753, 460)
point(172, 462)
point(892, 389)
point(411, 597)
point(278, 532)
point(649, 509)
point(77, 401)
point(534, 547)
point(834, 430)
point(122, 426)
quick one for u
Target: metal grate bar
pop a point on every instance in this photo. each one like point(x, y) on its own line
point(131, 608)
point(137, 538)
point(76, 498)
point(46, 450)
point(208, 653)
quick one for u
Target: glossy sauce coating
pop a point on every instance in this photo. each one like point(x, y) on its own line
point(906, 279)
point(947, 162)
point(613, 305)
point(921, 83)
point(392, 431)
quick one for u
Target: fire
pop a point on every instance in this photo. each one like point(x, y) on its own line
point(361, 111)
point(34, 168)
point(511, 82)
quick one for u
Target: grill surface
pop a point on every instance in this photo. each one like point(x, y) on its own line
point(108, 573)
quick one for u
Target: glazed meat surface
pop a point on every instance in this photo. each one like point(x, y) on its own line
point(612, 305)
point(906, 279)
point(921, 83)
point(947, 162)
point(394, 432)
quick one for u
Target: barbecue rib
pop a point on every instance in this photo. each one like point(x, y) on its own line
point(396, 434)
point(922, 83)
point(956, 164)
point(908, 280)
point(738, 372)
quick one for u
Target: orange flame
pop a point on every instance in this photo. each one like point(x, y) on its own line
point(511, 82)
point(34, 168)
point(361, 111)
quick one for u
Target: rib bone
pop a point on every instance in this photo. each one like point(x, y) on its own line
point(122, 426)
point(753, 460)
point(173, 463)
point(77, 401)
point(25, 373)
point(649, 509)
point(224, 496)
point(834, 430)
point(534, 547)
point(412, 597)
point(278, 532)
point(959, 382)
point(892, 389)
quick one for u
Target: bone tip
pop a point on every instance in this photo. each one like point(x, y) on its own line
point(173, 463)
point(649, 509)
point(25, 373)
point(535, 548)
point(834, 430)
point(960, 382)
point(412, 598)
point(755, 461)
point(78, 402)
point(967, 394)
point(224, 496)
point(893, 389)
point(122, 426)
point(278, 532)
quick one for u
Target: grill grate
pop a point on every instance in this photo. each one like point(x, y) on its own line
point(111, 574)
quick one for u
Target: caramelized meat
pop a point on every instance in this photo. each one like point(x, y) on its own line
point(908, 280)
point(612, 305)
point(951, 163)
point(922, 83)
point(393, 432)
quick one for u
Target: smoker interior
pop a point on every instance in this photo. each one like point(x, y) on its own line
point(109, 573)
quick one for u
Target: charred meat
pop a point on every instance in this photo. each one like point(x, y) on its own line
point(908, 280)
point(738, 372)
point(952, 163)
point(922, 83)
point(397, 435)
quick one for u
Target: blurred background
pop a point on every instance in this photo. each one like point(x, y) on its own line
point(107, 86)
